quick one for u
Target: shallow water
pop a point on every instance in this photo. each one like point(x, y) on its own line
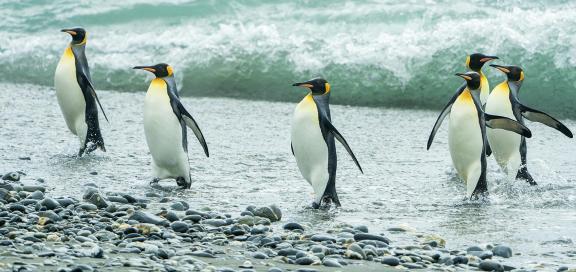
point(381, 52)
point(251, 164)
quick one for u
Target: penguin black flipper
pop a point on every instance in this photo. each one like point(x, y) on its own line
point(341, 139)
point(443, 115)
point(500, 122)
point(541, 117)
point(185, 116)
point(292, 147)
point(84, 79)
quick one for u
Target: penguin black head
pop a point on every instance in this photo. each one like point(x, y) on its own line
point(475, 61)
point(78, 35)
point(513, 73)
point(318, 86)
point(159, 70)
point(472, 79)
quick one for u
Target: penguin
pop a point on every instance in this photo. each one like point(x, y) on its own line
point(313, 145)
point(467, 133)
point(475, 62)
point(165, 122)
point(76, 94)
point(509, 148)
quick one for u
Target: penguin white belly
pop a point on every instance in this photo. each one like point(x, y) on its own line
point(70, 96)
point(164, 134)
point(505, 144)
point(465, 141)
point(310, 149)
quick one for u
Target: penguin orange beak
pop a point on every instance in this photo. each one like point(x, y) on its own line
point(71, 32)
point(147, 68)
point(488, 58)
point(303, 85)
point(464, 76)
point(503, 69)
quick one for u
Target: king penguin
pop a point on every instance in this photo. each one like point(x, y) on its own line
point(165, 122)
point(76, 94)
point(509, 148)
point(313, 143)
point(467, 133)
point(475, 62)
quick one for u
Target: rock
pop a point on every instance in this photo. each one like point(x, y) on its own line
point(304, 260)
point(389, 260)
point(92, 195)
point(474, 248)
point(179, 226)
point(88, 207)
point(460, 260)
point(33, 188)
point(12, 176)
point(367, 236)
point(361, 228)
point(490, 266)
point(50, 203)
point(259, 255)
point(356, 248)
point(49, 214)
point(215, 222)
point(53, 238)
point(117, 199)
point(322, 238)
point(204, 254)
point(144, 217)
point(246, 264)
point(179, 206)
point(275, 269)
point(413, 265)
point(36, 195)
point(502, 251)
point(293, 226)
point(171, 216)
point(65, 202)
point(331, 262)
point(246, 220)
point(273, 213)
point(17, 207)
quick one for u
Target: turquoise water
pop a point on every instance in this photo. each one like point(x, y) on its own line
point(375, 53)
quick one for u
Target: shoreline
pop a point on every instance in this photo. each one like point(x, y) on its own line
point(119, 232)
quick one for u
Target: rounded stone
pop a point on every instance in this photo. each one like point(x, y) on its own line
point(490, 266)
point(179, 226)
point(293, 226)
point(391, 261)
point(502, 251)
point(50, 203)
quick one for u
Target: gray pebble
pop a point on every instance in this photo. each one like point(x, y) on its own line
point(145, 217)
point(330, 262)
point(36, 195)
point(215, 222)
point(322, 238)
point(88, 207)
point(304, 261)
point(12, 176)
point(179, 226)
point(490, 266)
point(33, 188)
point(275, 269)
point(392, 261)
point(293, 226)
point(50, 203)
point(367, 236)
point(259, 255)
point(361, 228)
point(179, 206)
point(502, 251)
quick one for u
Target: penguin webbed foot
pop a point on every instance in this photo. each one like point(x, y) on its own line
point(181, 181)
point(325, 203)
point(524, 175)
